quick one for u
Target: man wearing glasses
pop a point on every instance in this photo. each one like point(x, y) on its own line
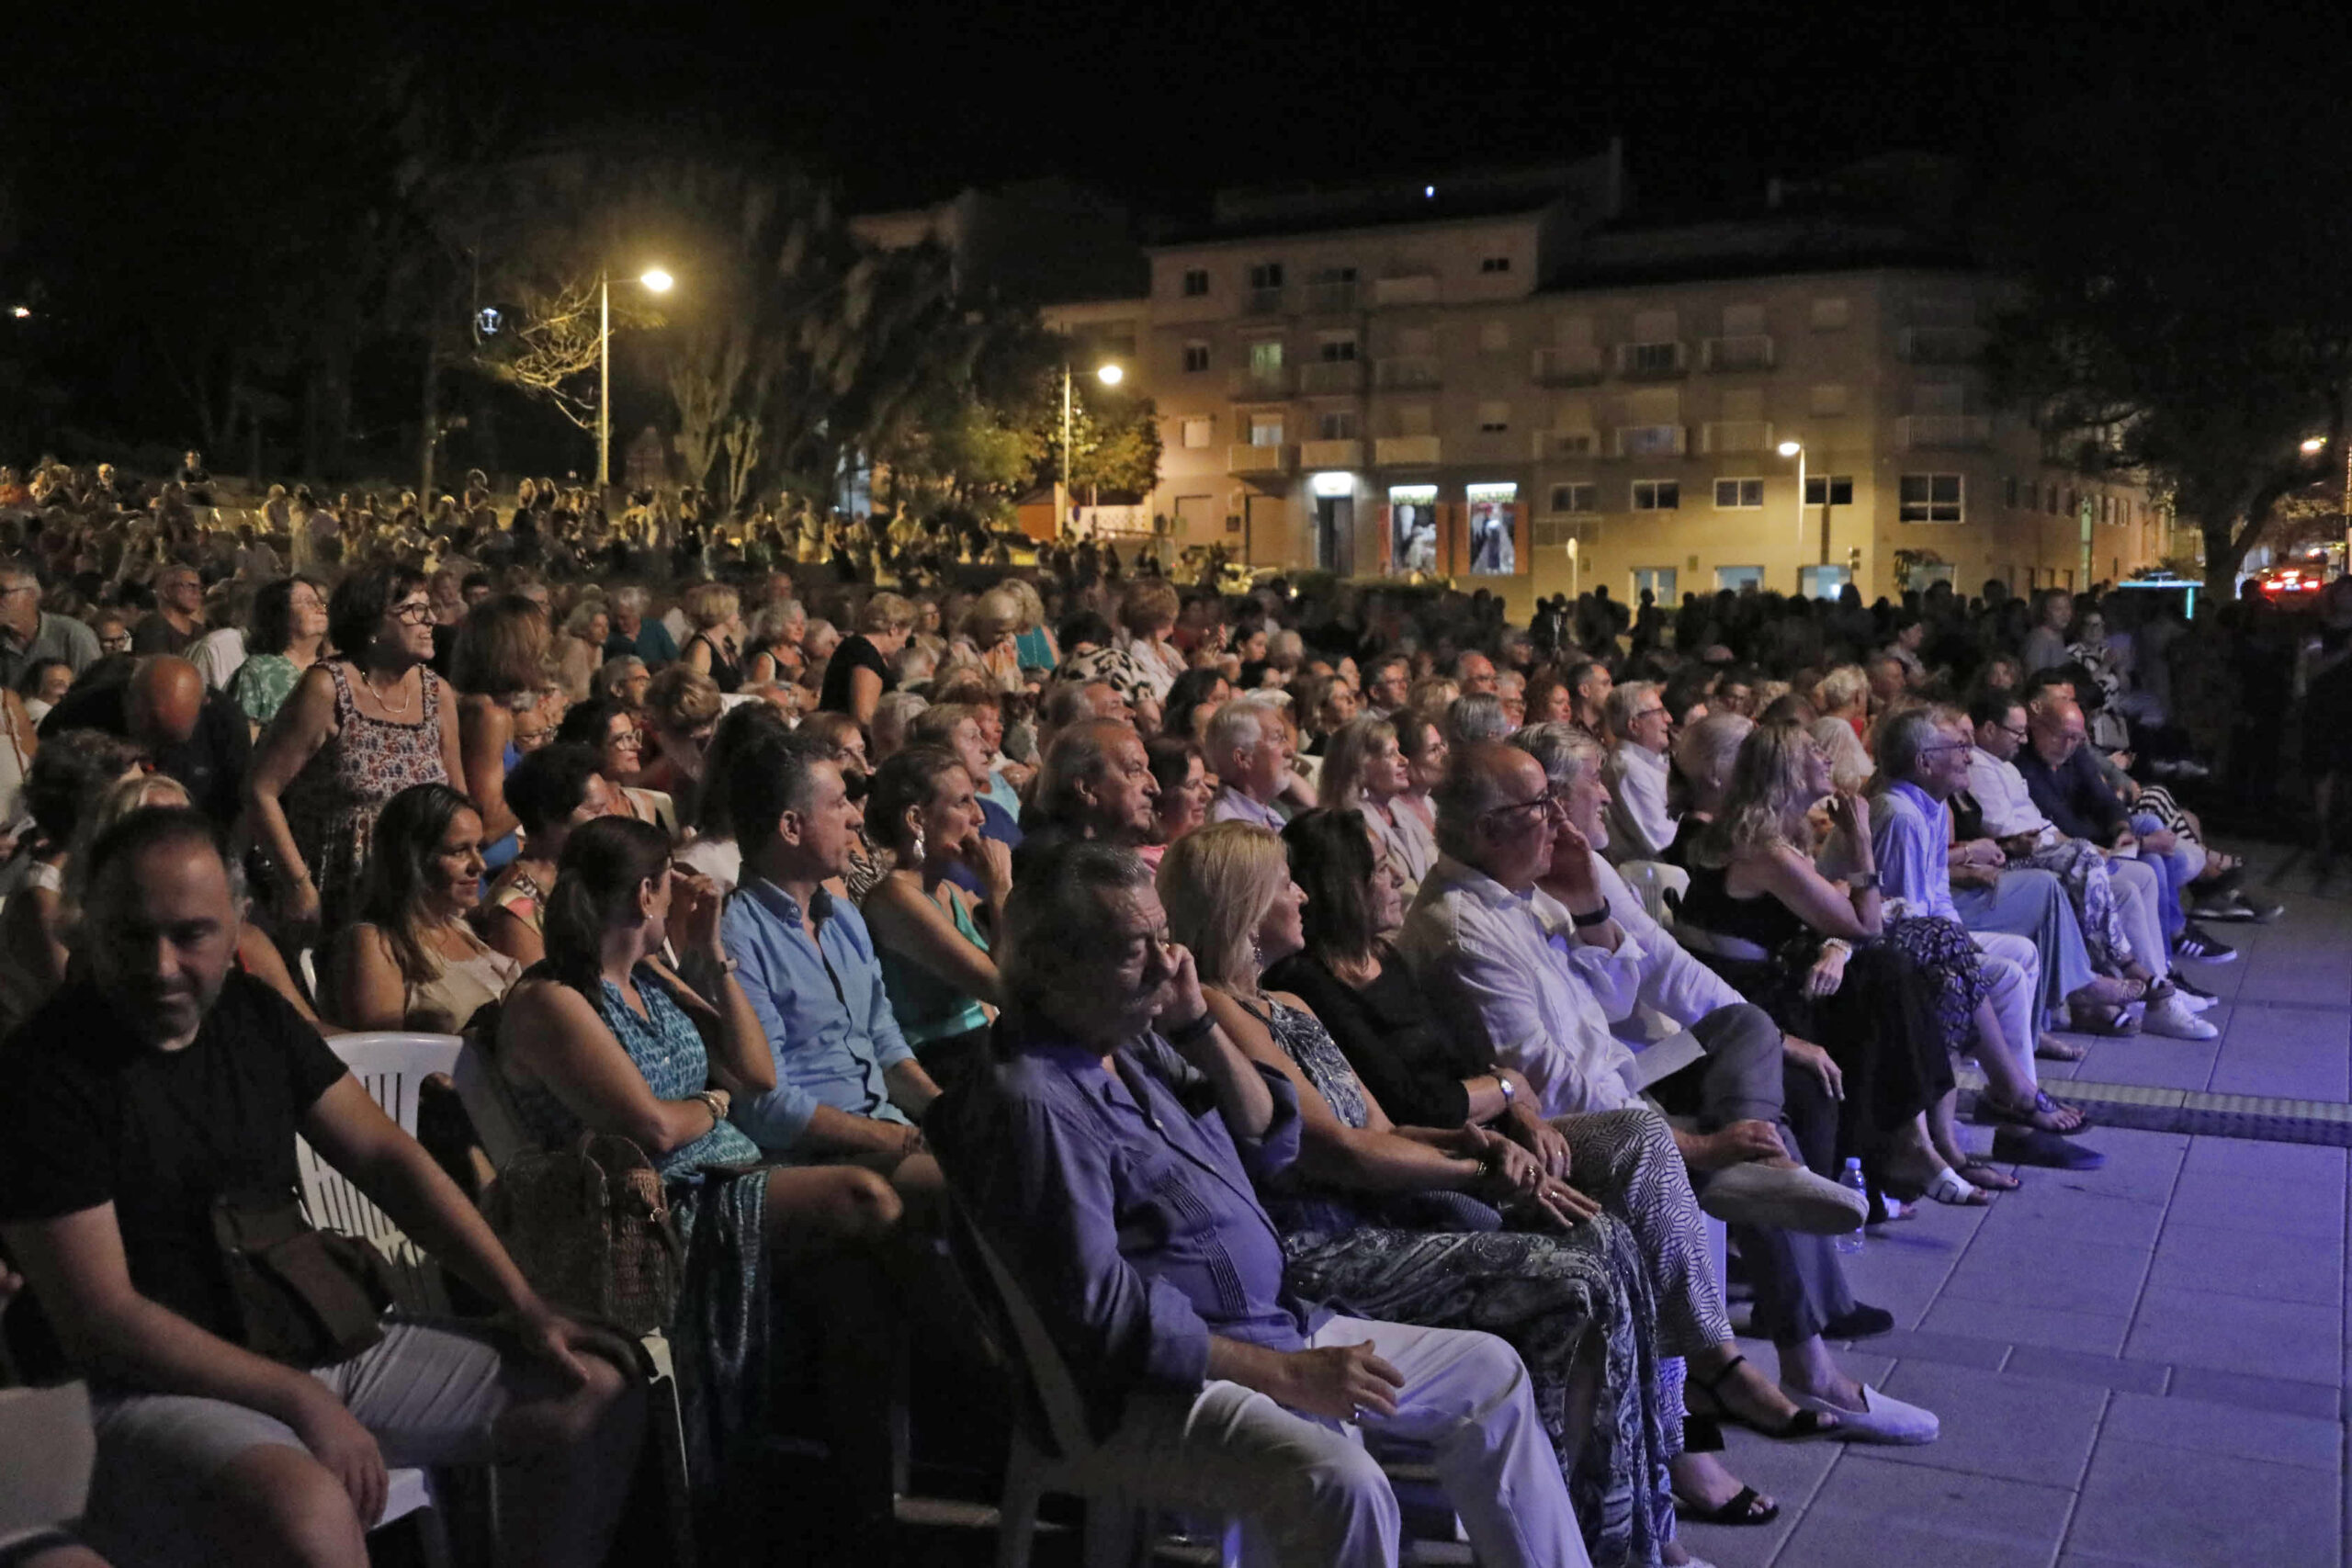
point(29, 633)
point(1640, 825)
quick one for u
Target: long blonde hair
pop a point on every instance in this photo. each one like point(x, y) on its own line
point(1769, 798)
point(1218, 883)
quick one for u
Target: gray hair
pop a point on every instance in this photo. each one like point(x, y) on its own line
point(1471, 787)
point(1079, 752)
point(632, 599)
point(1565, 753)
point(894, 715)
point(1068, 703)
point(1478, 716)
point(1044, 910)
point(1625, 700)
point(1903, 734)
point(769, 624)
point(1705, 754)
point(615, 670)
point(1236, 726)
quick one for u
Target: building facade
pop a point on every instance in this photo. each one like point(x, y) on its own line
point(1536, 397)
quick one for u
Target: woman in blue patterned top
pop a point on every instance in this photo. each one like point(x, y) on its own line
point(602, 1035)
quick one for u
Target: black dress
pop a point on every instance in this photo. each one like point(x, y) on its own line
point(853, 652)
point(726, 671)
point(1414, 1065)
point(1880, 1025)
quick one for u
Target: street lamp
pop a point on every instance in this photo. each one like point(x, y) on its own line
point(20, 312)
point(1110, 376)
point(655, 281)
point(1796, 450)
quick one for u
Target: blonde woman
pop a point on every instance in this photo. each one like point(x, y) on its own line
point(580, 651)
point(1407, 1222)
point(715, 649)
point(1366, 770)
point(859, 670)
point(992, 630)
point(1033, 637)
point(1843, 701)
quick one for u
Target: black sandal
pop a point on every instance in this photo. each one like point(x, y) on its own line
point(1747, 1508)
point(1803, 1423)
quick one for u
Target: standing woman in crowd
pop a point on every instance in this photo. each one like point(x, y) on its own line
point(716, 648)
point(775, 642)
point(934, 956)
point(1149, 615)
point(859, 670)
point(554, 790)
point(1366, 770)
point(412, 960)
point(681, 714)
point(499, 667)
point(612, 731)
point(1033, 639)
point(359, 729)
point(289, 636)
point(68, 777)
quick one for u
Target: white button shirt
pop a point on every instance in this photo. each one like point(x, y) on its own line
point(2001, 795)
point(1640, 827)
point(1482, 955)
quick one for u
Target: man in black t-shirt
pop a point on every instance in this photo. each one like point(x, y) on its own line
point(161, 1078)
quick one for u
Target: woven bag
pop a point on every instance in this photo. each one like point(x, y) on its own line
point(590, 1228)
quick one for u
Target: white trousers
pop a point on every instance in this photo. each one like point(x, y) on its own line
point(1306, 1493)
point(2013, 965)
point(2139, 899)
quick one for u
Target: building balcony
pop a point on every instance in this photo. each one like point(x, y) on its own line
point(1653, 361)
point(1331, 455)
point(1940, 345)
point(1737, 436)
point(1262, 301)
point(1568, 367)
point(1405, 373)
point(1753, 352)
point(1332, 298)
point(1326, 378)
point(1256, 382)
point(1248, 457)
point(1551, 446)
point(1943, 430)
point(1406, 289)
point(1649, 441)
point(1496, 446)
point(1406, 451)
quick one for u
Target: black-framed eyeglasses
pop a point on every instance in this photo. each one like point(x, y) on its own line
point(2018, 732)
point(414, 614)
point(1550, 800)
point(1648, 712)
point(1942, 747)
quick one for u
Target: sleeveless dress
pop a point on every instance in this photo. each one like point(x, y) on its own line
point(331, 805)
point(721, 1328)
point(948, 1028)
point(1548, 1293)
point(726, 673)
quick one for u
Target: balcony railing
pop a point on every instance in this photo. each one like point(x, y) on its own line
point(1653, 361)
point(1738, 436)
point(1554, 530)
point(1405, 451)
point(1556, 445)
point(1331, 297)
point(1940, 345)
point(1248, 457)
point(1931, 430)
point(1262, 381)
point(1407, 289)
point(1263, 301)
point(1406, 373)
point(1651, 441)
point(1331, 455)
point(1753, 352)
point(1326, 377)
point(1568, 367)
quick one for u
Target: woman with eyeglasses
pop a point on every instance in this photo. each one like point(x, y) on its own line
point(610, 728)
point(359, 729)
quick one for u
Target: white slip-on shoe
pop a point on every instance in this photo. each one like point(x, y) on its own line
point(2171, 1017)
point(1787, 1197)
point(1882, 1419)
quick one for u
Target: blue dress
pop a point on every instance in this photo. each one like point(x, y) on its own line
point(717, 1192)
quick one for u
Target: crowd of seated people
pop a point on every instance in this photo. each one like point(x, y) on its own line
point(1213, 955)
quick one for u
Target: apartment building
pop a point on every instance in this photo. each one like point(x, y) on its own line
point(1513, 384)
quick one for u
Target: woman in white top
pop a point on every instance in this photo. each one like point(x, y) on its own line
point(1149, 615)
point(412, 960)
point(1364, 770)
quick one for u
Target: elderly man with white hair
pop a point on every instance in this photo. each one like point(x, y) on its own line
point(1641, 825)
point(1249, 747)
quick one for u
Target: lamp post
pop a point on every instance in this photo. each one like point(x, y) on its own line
point(1796, 450)
point(655, 281)
point(1110, 376)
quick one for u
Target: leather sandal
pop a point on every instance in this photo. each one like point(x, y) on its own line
point(1802, 1425)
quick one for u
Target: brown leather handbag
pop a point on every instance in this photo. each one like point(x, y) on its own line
point(590, 1227)
point(305, 1297)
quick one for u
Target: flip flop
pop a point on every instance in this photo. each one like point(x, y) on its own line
point(1951, 1190)
point(1747, 1508)
point(2049, 1049)
point(1983, 1175)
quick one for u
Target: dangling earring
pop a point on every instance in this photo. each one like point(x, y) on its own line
point(918, 847)
point(1257, 954)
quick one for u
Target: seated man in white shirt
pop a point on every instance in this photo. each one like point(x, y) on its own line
point(1640, 825)
point(1493, 947)
point(1250, 747)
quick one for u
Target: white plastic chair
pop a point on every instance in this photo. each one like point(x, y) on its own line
point(393, 1068)
point(1651, 881)
point(46, 1452)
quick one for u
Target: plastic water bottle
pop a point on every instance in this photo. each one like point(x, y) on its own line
point(1851, 1241)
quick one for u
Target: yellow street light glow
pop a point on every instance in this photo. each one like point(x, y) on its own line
point(656, 280)
point(2315, 443)
point(1110, 374)
point(20, 312)
point(1791, 449)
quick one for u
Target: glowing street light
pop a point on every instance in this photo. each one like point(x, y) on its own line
point(1796, 450)
point(20, 312)
point(1110, 374)
point(654, 281)
point(2312, 447)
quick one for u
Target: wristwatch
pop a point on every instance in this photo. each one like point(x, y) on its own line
point(1510, 1095)
point(1598, 918)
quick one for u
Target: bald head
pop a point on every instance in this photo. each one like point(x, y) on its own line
point(2057, 725)
point(164, 702)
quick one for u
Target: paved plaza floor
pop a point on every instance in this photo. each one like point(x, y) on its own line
point(2142, 1364)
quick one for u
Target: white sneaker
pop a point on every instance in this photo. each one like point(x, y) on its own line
point(2169, 1017)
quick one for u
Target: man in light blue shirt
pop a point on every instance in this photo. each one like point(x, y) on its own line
point(847, 1086)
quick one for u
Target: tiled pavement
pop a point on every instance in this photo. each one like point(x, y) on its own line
point(2143, 1364)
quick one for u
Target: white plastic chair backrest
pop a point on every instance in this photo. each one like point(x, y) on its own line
point(484, 1096)
point(1041, 1358)
point(1651, 881)
point(393, 1068)
point(306, 963)
point(46, 1452)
